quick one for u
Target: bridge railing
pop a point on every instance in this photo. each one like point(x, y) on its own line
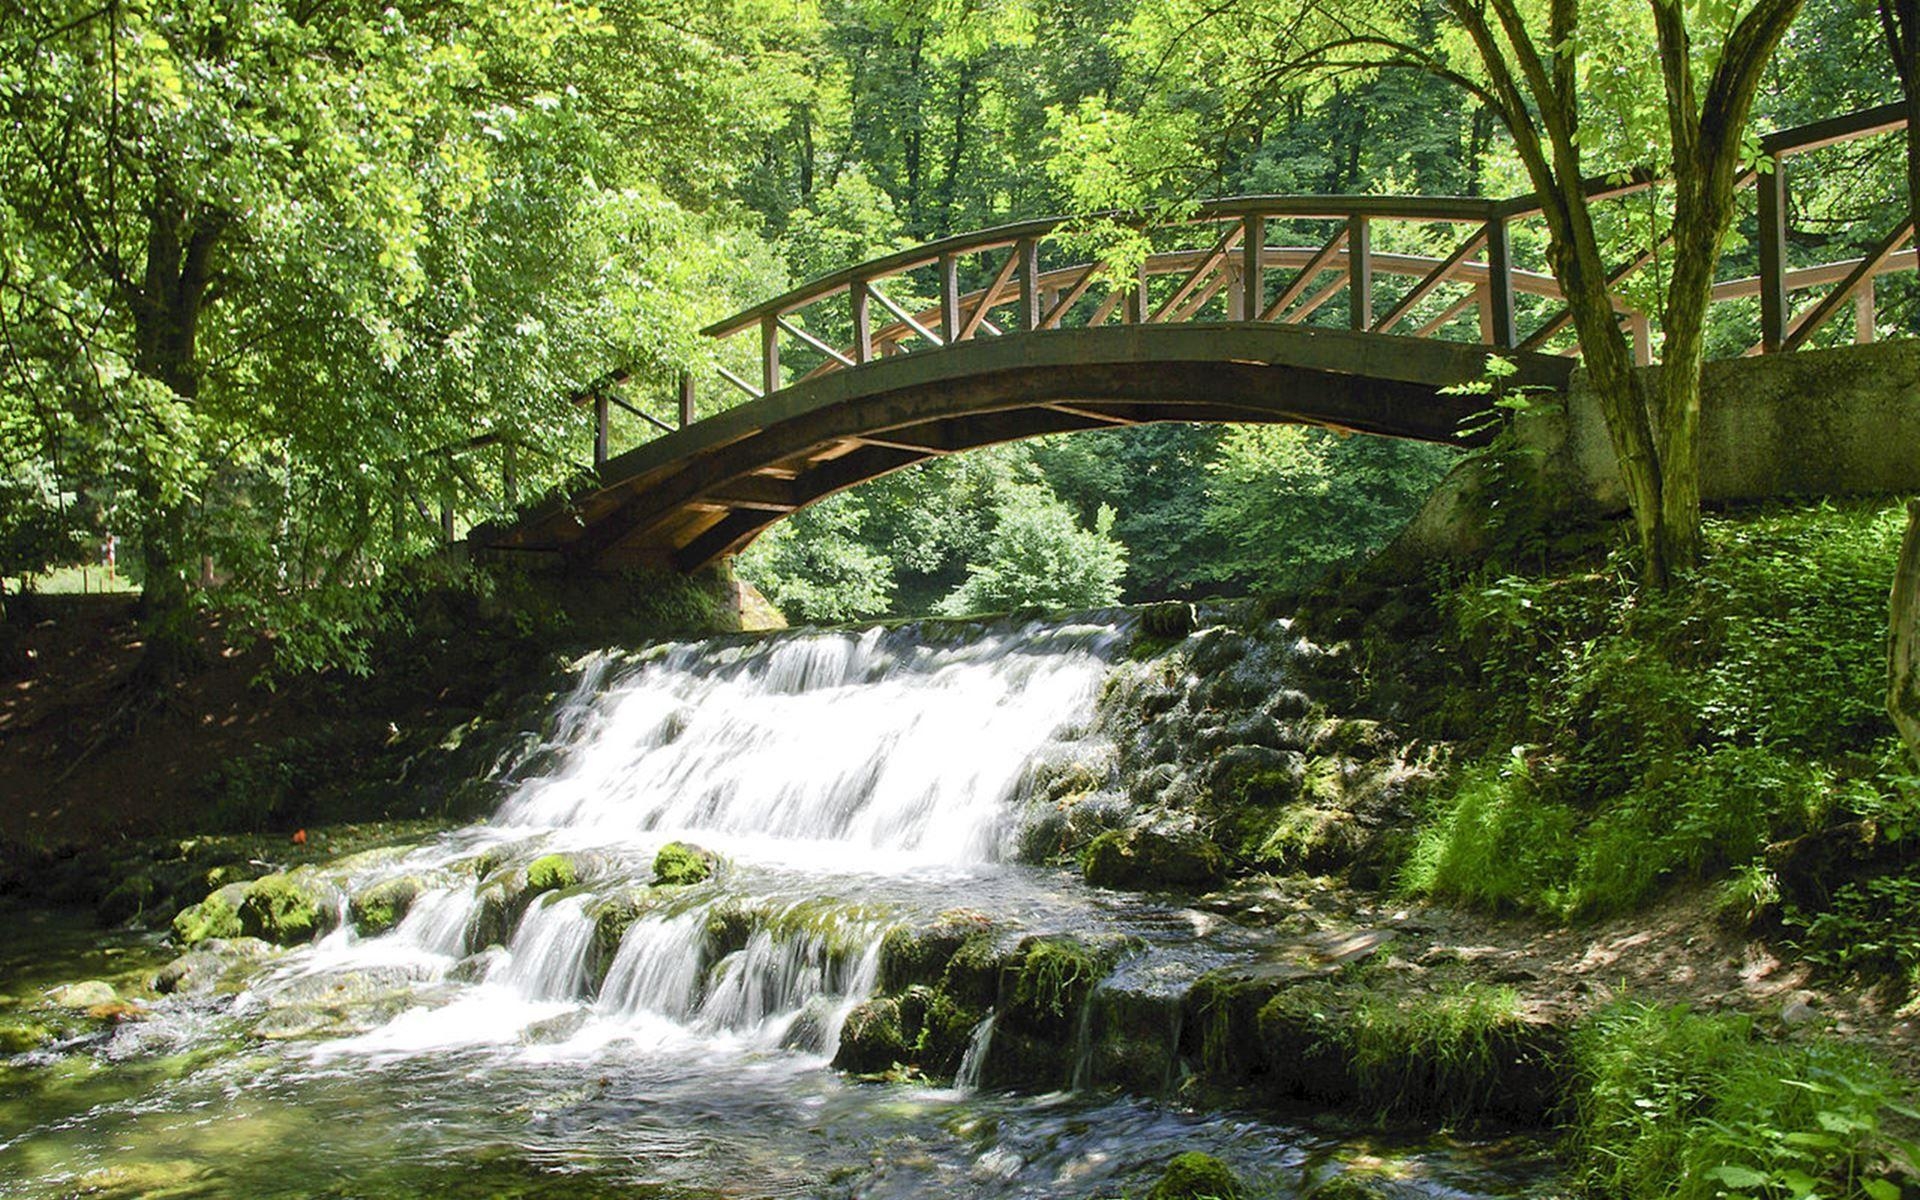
point(1460, 268)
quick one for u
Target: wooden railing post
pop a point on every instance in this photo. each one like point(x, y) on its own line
point(862, 323)
point(686, 399)
point(1863, 314)
point(950, 298)
point(1134, 311)
point(600, 415)
point(1029, 271)
point(769, 356)
point(1253, 279)
point(1500, 329)
point(1359, 273)
point(1772, 195)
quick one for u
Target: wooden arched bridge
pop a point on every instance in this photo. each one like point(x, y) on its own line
point(1354, 313)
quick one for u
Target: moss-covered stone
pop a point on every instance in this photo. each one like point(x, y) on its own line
point(919, 954)
point(1148, 859)
point(729, 926)
point(1168, 620)
point(20, 1033)
point(550, 873)
point(1196, 1176)
point(494, 916)
point(973, 973)
point(378, 908)
point(679, 864)
point(1345, 1187)
point(128, 900)
point(218, 916)
point(872, 1039)
point(942, 1029)
point(283, 910)
point(1455, 1054)
point(612, 918)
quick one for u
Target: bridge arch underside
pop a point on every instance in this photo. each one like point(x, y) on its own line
point(703, 493)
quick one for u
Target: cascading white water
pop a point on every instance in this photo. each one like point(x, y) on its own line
point(837, 775)
point(800, 749)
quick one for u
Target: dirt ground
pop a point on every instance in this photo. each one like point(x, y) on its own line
point(83, 760)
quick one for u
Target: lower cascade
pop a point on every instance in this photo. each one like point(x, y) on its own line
point(753, 921)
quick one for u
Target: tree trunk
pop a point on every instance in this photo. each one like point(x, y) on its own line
point(1903, 655)
point(166, 318)
point(1900, 23)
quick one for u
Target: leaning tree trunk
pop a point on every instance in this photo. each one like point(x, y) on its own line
point(1903, 657)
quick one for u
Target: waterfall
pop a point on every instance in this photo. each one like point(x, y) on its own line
point(974, 1061)
point(842, 779)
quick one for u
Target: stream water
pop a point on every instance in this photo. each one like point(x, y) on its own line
point(848, 782)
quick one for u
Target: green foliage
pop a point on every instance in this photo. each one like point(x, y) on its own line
point(36, 534)
point(814, 566)
point(1674, 1104)
point(1288, 502)
point(1493, 841)
point(1662, 737)
point(1869, 928)
point(1040, 555)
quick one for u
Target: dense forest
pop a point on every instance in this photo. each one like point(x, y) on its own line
point(292, 294)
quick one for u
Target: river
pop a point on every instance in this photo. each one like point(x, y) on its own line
point(848, 783)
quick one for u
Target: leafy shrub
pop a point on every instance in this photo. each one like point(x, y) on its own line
point(1674, 1104)
point(1669, 736)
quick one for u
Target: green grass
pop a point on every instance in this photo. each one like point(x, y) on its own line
point(63, 581)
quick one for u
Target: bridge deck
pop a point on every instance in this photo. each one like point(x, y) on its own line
point(702, 493)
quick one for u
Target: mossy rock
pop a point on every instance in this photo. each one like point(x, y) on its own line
point(218, 916)
point(729, 927)
point(679, 864)
point(1149, 859)
point(283, 910)
point(550, 873)
point(1051, 979)
point(1196, 1176)
point(1345, 1187)
point(214, 965)
point(384, 905)
point(942, 1029)
point(972, 976)
point(872, 1039)
point(91, 993)
point(129, 900)
point(1453, 1055)
point(20, 1033)
point(495, 916)
point(1168, 619)
point(612, 918)
point(919, 954)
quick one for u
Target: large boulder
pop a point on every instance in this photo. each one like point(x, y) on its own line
point(284, 909)
point(872, 1040)
point(218, 916)
point(1148, 859)
point(376, 909)
point(1196, 1176)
